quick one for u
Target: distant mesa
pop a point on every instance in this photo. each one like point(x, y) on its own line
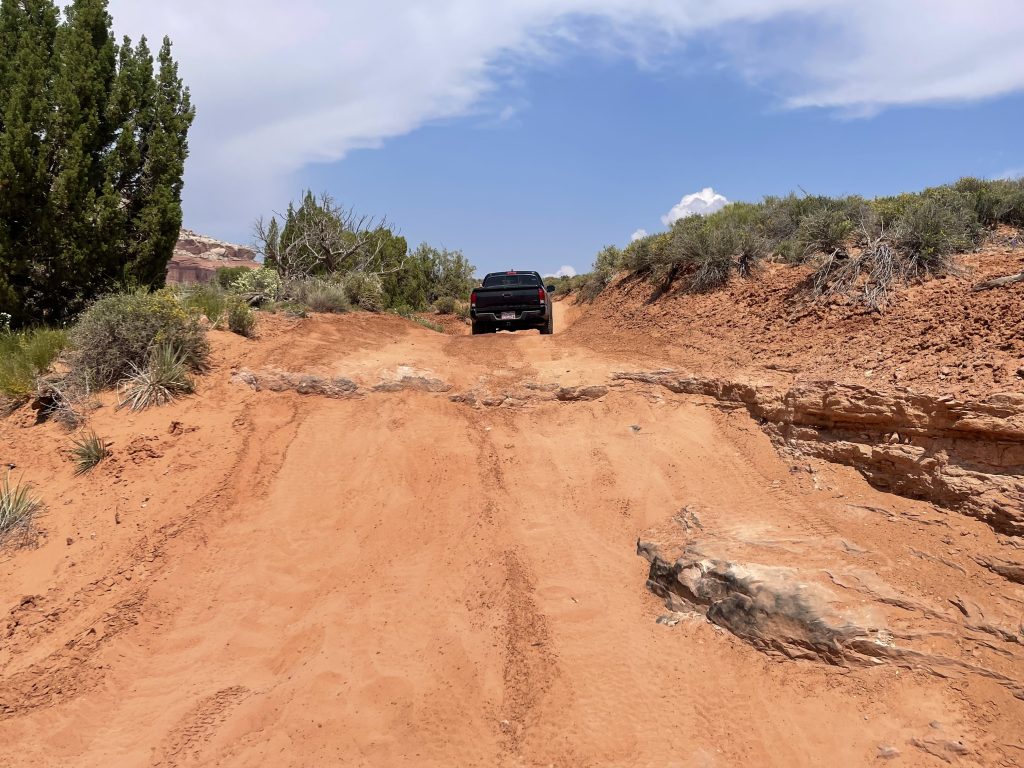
point(197, 258)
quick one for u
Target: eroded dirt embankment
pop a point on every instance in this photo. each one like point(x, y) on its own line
point(939, 337)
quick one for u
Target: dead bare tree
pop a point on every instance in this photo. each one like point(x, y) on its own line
point(999, 282)
point(872, 274)
point(323, 237)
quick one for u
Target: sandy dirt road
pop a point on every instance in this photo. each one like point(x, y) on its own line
point(404, 578)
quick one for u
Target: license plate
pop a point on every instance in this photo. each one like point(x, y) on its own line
point(508, 315)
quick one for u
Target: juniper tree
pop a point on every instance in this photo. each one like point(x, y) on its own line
point(93, 142)
point(28, 31)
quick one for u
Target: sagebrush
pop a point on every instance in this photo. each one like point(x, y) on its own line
point(864, 248)
point(116, 336)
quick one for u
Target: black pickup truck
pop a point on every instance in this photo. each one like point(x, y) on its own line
point(512, 301)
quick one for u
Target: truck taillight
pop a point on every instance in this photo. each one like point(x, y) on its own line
point(540, 295)
point(472, 298)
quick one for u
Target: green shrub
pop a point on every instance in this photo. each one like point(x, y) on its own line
point(923, 231)
point(163, 379)
point(995, 202)
point(710, 249)
point(25, 356)
point(241, 318)
point(258, 286)
point(789, 251)
point(18, 509)
point(208, 300)
point(566, 286)
point(645, 253)
point(606, 265)
point(779, 217)
point(449, 305)
point(322, 296)
point(117, 334)
point(891, 209)
point(88, 450)
point(446, 305)
point(226, 276)
point(750, 249)
point(364, 291)
point(706, 248)
point(826, 230)
point(933, 227)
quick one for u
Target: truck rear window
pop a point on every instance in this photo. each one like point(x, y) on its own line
point(518, 280)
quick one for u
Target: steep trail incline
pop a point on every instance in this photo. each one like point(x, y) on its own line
point(364, 543)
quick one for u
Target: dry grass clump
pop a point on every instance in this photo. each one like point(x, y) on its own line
point(19, 508)
point(25, 356)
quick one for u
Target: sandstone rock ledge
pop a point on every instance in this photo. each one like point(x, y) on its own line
point(965, 456)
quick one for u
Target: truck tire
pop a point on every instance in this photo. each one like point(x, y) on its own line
point(479, 328)
point(549, 327)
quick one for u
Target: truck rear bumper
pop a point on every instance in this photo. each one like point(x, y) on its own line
point(526, 317)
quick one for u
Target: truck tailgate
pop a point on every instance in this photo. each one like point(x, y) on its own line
point(499, 299)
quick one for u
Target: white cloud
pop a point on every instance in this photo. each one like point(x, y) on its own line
point(640, 234)
point(1011, 174)
point(565, 271)
point(698, 204)
point(282, 85)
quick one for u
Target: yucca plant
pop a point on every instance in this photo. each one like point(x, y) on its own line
point(18, 507)
point(164, 379)
point(88, 450)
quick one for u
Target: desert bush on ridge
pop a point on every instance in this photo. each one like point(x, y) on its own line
point(206, 299)
point(317, 295)
point(365, 290)
point(322, 244)
point(888, 240)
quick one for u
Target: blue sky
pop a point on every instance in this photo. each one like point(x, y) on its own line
point(533, 135)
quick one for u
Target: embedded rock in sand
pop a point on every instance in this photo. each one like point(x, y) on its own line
point(576, 394)
point(839, 614)
point(304, 384)
point(772, 608)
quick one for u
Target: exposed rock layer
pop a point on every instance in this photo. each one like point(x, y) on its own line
point(967, 456)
